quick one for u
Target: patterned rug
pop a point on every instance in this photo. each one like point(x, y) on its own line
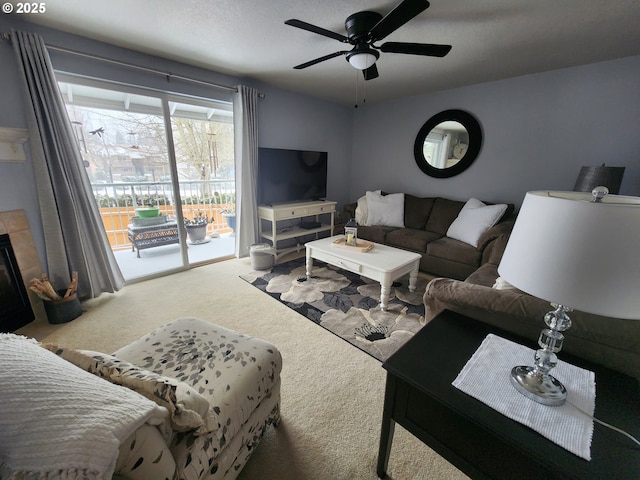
point(347, 304)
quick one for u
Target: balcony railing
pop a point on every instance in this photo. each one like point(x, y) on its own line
point(117, 203)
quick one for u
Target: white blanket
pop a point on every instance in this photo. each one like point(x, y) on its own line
point(58, 421)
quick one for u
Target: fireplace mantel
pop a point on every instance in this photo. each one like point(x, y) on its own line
point(11, 144)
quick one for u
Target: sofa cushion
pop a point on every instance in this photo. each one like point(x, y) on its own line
point(474, 220)
point(416, 211)
point(188, 409)
point(385, 210)
point(442, 267)
point(485, 275)
point(452, 249)
point(443, 213)
point(411, 239)
point(374, 234)
point(349, 211)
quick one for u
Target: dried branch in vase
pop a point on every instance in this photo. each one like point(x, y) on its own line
point(44, 290)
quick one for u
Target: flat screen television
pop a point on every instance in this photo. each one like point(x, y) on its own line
point(287, 176)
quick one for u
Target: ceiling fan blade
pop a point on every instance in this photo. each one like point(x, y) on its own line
point(318, 60)
point(319, 30)
point(371, 72)
point(428, 49)
point(404, 11)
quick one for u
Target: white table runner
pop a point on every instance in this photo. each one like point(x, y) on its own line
point(486, 377)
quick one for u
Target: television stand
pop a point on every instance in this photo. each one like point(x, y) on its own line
point(308, 225)
point(321, 210)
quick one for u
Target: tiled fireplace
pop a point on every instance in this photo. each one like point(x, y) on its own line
point(14, 224)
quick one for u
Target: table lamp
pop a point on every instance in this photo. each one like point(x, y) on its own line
point(591, 177)
point(578, 251)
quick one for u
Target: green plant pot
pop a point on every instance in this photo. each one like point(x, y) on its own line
point(148, 212)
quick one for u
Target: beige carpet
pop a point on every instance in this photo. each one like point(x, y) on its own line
point(332, 393)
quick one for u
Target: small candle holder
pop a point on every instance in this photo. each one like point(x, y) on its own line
point(351, 233)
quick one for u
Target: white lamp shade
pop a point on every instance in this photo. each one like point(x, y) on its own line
point(362, 61)
point(566, 249)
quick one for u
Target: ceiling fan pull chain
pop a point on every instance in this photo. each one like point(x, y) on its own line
point(357, 76)
point(364, 93)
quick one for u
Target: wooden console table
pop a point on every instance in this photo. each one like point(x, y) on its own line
point(152, 236)
point(480, 441)
point(293, 213)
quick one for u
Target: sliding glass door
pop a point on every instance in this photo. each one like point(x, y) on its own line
point(155, 162)
point(203, 145)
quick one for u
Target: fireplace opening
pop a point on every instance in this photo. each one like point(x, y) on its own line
point(15, 308)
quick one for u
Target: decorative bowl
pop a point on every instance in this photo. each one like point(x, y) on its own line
point(147, 212)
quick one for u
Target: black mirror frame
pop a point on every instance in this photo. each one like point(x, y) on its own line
point(475, 143)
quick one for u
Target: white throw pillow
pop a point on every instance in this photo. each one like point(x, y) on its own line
point(474, 219)
point(502, 284)
point(362, 211)
point(387, 210)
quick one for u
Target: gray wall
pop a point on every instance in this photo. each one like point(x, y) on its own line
point(538, 131)
point(288, 120)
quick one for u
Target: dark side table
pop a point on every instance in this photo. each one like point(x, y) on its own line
point(480, 441)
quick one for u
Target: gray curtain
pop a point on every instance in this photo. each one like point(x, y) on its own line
point(75, 239)
point(245, 118)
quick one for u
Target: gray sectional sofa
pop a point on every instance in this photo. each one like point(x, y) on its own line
point(426, 221)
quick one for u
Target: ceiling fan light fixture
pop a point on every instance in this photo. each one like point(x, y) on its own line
point(363, 59)
point(364, 29)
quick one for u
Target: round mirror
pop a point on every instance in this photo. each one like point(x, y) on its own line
point(448, 143)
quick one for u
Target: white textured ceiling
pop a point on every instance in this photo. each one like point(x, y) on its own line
point(492, 39)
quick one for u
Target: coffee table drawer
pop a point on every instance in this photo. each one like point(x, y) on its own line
point(354, 267)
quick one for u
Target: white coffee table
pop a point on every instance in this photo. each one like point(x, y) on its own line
point(382, 263)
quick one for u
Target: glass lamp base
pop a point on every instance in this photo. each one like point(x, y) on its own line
point(539, 387)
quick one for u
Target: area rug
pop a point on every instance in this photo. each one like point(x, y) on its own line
point(347, 304)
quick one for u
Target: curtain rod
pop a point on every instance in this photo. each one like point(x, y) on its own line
point(169, 75)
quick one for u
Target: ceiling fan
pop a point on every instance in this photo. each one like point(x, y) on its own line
point(366, 28)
